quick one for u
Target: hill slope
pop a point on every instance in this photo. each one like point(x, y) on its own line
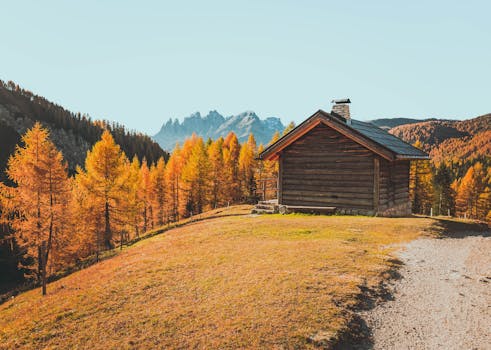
point(72, 133)
point(231, 282)
point(214, 125)
point(450, 139)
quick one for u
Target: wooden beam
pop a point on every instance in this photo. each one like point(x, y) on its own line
point(376, 183)
point(280, 180)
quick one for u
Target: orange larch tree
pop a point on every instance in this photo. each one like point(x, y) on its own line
point(268, 171)
point(217, 178)
point(86, 221)
point(158, 197)
point(231, 152)
point(421, 185)
point(195, 179)
point(146, 196)
point(133, 202)
point(470, 189)
point(40, 197)
point(247, 167)
point(288, 128)
point(172, 183)
point(104, 180)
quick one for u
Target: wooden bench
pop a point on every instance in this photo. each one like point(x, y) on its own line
point(284, 209)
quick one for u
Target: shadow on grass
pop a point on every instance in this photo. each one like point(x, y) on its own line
point(357, 335)
point(453, 228)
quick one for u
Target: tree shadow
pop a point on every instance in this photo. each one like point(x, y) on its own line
point(451, 228)
point(358, 335)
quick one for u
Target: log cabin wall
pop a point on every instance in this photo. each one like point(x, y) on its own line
point(394, 188)
point(325, 168)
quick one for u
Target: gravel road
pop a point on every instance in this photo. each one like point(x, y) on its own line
point(442, 301)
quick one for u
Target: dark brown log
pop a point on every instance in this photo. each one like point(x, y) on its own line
point(354, 202)
point(280, 180)
point(376, 183)
point(327, 195)
point(326, 187)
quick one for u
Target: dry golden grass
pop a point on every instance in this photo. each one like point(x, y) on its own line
point(230, 282)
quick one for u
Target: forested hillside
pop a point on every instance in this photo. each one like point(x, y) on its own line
point(73, 133)
point(432, 133)
point(111, 199)
point(458, 178)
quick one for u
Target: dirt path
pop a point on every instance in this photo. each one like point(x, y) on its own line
point(442, 301)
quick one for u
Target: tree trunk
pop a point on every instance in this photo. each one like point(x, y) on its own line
point(107, 231)
point(145, 219)
point(42, 265)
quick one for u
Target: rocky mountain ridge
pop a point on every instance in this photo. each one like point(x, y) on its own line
point(214, 125)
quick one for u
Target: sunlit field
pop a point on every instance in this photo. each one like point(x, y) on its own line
point(237, 281)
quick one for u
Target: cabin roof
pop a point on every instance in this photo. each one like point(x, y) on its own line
point(368, 135)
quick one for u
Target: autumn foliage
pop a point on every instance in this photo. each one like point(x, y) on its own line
point(37, 205)
point(112, 199)
point(459, 187)
point(457, 180)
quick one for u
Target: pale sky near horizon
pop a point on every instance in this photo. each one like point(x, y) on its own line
point(143, 62)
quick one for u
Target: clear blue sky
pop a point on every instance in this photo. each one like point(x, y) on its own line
point(141, 62)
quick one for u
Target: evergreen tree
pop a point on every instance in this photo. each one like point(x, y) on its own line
point(444, 196)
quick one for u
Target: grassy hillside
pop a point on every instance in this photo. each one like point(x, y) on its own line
point(228, 282)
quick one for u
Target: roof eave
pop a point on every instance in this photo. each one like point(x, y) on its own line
point(272, 151)
point(412, 157)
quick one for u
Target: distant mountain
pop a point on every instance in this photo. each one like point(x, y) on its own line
point(389, 123)
point(72, 133)
point(450, 139)
point(214, 125)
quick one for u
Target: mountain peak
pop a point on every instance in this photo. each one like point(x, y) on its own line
point(214, 125)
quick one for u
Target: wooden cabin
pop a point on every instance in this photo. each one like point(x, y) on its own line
point(331, 161)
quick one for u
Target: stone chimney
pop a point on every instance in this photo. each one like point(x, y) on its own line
point(341, 108)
